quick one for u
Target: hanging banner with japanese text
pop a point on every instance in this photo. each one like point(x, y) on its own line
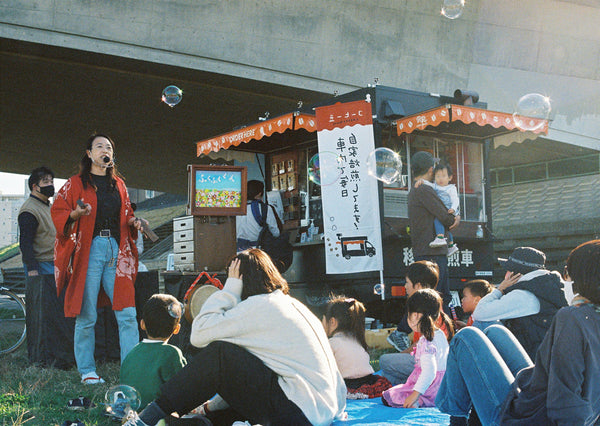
point(352, 231)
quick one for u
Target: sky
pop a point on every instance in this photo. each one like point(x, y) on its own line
point(14, 184)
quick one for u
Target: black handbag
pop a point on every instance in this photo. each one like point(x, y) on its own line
point(278, 248)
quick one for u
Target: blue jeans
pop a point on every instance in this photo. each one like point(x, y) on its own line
point(480, 371)
point(396, 367)
point(101, 271)
point(482, 325)
point(44, 268)
point(440, 229)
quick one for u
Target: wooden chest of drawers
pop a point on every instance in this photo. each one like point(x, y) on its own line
point(203, 243)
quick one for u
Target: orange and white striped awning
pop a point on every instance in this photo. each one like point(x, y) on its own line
point(290, 121)
point(468, 115)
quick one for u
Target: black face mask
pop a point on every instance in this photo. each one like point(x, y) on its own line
point(47, 191)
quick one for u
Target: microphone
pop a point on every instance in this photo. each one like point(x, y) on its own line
point(107, 162)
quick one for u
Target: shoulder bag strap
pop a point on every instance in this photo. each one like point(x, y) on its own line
point(255, 213)
point(264, 212)
point(279, 222)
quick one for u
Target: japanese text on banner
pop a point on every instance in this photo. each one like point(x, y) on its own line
point(352, 232)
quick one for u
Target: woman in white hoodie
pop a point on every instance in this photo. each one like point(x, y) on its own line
point(265, 354)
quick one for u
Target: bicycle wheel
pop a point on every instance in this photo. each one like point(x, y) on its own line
point(12, 321)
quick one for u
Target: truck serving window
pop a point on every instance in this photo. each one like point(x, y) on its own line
point(466, 160)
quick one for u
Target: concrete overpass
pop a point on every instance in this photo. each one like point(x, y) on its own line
point(71, 67)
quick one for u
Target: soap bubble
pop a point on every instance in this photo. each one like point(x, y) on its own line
point(532, 105)
point(384, 164)
point(172, 95)
point(324, 168)
point(452, 9)
point(378, 289)
point(122, 399)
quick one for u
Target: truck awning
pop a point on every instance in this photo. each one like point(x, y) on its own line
point(290, 121)
point(463, 121)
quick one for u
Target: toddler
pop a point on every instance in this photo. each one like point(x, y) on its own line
point(420, 389)
point(344, 323)
point(447, 192)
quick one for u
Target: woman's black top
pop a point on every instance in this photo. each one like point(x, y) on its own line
point(109, 206)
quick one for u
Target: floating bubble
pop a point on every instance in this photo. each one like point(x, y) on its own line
point(384, 165)
point(378, 289)
point(122, 399)
point(176, 309)
point(532, 105)
point(452, 9)
point(324, 168)
point(172, 95)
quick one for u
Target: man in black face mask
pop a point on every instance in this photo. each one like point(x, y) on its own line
point(36, 228)
point(36, 239)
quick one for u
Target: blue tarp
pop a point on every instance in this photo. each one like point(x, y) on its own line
point(373, 412)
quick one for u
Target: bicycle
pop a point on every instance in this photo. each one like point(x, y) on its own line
point(12, 321)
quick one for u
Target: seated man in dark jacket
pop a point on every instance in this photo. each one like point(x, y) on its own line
point(527, 299)
point(490, 371)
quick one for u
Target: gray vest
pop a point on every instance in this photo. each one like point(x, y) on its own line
point(43, 242)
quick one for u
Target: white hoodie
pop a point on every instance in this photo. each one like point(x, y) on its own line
point(286, 336)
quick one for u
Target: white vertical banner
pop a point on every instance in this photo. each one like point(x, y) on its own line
point(350, 198)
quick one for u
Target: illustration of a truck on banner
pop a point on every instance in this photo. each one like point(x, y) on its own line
point(355, 246)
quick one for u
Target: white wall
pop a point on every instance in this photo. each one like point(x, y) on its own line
point(9, 211)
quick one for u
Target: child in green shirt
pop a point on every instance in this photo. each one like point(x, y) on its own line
point(153, 361)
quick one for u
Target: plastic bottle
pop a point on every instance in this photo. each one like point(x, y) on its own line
point(479, 232)
point(311, 231)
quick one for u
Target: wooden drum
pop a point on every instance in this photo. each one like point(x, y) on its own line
point(198, 293)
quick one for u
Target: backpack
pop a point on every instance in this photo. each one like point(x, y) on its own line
point(278, 248)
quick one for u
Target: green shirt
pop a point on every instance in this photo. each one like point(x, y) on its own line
point(148, 366)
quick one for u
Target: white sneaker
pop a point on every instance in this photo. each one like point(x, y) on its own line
point(438, 242)
point(452, 249)
point(91, 379)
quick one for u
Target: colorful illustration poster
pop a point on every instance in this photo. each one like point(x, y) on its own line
point(218, 188)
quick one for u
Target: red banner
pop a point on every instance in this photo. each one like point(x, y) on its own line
point(467, 115)
point(423, 119)
point(255, 131)
point(341, 115)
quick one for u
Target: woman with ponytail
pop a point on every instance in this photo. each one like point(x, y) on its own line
point(424, 309)
point(344, 323)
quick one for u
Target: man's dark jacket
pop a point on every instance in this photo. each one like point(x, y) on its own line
point(530, 330)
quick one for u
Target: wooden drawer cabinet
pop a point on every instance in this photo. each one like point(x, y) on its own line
point(203, 243)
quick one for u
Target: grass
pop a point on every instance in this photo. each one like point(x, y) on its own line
point(31, 395)
point(375, 353)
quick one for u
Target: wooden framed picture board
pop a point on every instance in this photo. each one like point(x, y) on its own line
point(217, 190)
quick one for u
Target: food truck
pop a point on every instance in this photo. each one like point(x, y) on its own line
point(457, 130)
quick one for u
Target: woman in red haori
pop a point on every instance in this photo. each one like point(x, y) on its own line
point(95, 252)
